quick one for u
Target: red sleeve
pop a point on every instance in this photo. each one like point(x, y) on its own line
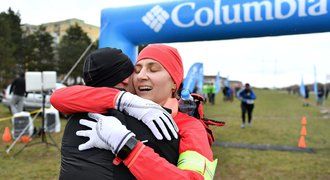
point(193, 136)
point(76, 99)
point(144, 163)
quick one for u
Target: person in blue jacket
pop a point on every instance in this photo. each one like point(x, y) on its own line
point(247, 97)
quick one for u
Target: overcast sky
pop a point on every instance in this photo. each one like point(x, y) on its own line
point(263, 62)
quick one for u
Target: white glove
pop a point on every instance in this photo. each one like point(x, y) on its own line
point(149, 112)
point(107, 133)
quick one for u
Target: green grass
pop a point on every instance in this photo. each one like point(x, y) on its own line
point(276, 121)
point(34, 162)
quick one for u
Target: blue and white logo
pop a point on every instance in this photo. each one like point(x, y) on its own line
point(156, 18)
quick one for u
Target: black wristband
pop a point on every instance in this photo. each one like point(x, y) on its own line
point(127, 148)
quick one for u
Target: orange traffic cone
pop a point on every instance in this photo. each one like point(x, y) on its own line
point(302, 143)
point(303, 131)
point(6, 137)
point(25, 139)
point(303, 120)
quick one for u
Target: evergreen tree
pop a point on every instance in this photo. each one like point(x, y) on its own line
point(29, 55)
point(38, 51)
point(16, 33)
point(10, 46)
point(71, 46)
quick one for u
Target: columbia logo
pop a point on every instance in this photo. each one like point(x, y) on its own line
point(156, 18)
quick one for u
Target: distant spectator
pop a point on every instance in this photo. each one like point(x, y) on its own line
point(247, 97)
point(289, 90)
point(205, 91)
point(295, 91)
point(224, 92)
point(320, 95)
point(228, 94)
point(306, 96)
point(211, 94)
point(18, 89)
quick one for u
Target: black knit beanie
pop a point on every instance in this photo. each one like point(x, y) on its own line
point(106, 67)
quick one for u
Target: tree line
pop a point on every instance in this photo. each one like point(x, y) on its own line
point(21, 52)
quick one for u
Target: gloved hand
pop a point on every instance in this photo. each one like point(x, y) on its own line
point(107, 133)
point(149, 113)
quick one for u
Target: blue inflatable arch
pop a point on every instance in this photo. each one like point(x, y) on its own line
point(200, 20)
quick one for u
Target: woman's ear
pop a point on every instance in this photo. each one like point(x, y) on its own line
point(173, 87)
point(125, 81)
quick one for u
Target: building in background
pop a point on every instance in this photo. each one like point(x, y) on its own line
point(232, 83)
point(58, 29)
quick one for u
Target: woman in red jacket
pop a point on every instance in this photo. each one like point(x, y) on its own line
point(157, 76)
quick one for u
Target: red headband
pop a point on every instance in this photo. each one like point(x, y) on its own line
point(168, 57)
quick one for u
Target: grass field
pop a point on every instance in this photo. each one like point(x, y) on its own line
point(276, 121)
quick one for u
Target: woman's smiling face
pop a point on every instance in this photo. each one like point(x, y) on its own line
point(152, 81)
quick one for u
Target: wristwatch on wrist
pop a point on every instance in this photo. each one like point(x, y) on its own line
point(127, 148)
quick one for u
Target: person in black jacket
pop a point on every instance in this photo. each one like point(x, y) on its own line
point(306, 96)
point(17, 88)
point(107, 67)
point(320, 95)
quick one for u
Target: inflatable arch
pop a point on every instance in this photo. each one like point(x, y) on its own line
point(197, 20)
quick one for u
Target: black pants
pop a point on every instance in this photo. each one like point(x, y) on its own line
point(247, 108)
point(211, 98)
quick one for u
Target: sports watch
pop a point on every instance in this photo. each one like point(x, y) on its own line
point(127, 148)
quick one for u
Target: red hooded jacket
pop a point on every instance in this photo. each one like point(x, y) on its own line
point(143, 162)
